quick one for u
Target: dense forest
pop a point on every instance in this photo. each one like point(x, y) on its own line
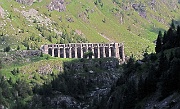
point(156, 74)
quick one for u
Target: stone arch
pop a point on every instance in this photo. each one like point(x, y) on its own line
point(70, 52)
point(61, 52)
point(107, 51)
point(112, 52)
point(90, 50)
point(50, 51)
point(84, 51)
point(101, 52)
point(79, 52)
point(96, 52)
point(67, 52)
point(73, 52)
point(120, 52)
point(56, 52)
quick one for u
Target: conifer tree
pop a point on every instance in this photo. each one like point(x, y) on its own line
point(171, 57)
point(164, 38)
point(170, 37)
point(7, 49)
point(163, 63)
point(178, 30)
point(178, 36)
point(141, 88)
point(173, 25)
point(28, 47)
point(158, 43)
point(41, 55)
point(18, 48)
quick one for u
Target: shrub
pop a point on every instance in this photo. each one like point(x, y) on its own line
point(7, 49)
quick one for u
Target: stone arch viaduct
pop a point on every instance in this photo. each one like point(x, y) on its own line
point(77, 50)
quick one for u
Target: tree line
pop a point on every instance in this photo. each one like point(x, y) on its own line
point(170, 39)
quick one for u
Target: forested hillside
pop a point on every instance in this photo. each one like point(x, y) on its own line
point(153, 82)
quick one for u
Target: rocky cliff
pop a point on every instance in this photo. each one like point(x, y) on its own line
point(83, 84)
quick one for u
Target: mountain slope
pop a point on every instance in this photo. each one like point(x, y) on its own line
point(133, 22)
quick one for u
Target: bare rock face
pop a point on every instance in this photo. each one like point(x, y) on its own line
point(83, 84)
point(58, 5)
point(28, 2)
point(28, 53)
point(141, 9)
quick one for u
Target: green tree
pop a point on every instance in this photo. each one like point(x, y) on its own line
point(23, 88)
point(171, 57)
point(7, 49)
point(173, 25)
point(178, 37)
point(101, 5)
point(171, 38)
point(1, 65)
point(5, 87)
point(96, 2)
point(18, 48)
point(28, 47)
point(141, 88)
point(88, 54)
point(50, 38)
point(165, 38)
point(178, 30)
point(17, 70)
point(158, 43)
point(163, 63)
point(64, 34)
point(104, 20)
point(41, 55)
point(61, 40)
point(170, 79)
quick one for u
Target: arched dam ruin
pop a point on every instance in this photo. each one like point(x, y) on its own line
point(78, 50)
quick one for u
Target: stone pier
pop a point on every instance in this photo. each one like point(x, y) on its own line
point(77, 50)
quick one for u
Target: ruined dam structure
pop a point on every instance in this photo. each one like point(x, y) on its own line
point(78, 50)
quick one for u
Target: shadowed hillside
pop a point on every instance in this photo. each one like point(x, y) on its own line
point(153, 82)
point(47, 82)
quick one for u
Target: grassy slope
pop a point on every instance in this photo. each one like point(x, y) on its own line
point(30, 67)
point(142, 31)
